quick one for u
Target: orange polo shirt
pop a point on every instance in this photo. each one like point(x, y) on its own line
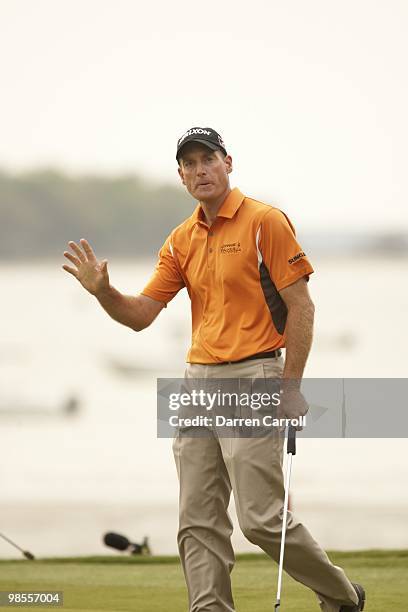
point(233, 272)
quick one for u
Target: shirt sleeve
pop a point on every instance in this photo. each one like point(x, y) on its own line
point(281, 252)
point(166, 280)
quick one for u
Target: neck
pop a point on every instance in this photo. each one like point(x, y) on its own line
point(212, 206)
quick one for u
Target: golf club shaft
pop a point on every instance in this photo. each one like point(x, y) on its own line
point(11, 542)
point(27, 554)
point(291, 450)
point(284, 520)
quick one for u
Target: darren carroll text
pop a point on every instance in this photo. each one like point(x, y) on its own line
point(222, 421)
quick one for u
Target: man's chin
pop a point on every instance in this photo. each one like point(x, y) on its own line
point(205, 191)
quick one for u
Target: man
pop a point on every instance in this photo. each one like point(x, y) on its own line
point(246, 276)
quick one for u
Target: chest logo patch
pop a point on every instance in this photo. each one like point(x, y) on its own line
point(231, 248)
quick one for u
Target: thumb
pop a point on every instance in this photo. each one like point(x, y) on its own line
point(104, 266)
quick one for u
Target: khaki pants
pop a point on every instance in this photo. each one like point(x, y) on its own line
point(208, 468)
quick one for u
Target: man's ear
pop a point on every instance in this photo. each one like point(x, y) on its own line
point(228, 163)
point(181, 174)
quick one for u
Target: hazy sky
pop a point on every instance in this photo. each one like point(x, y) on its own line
point(311, 97)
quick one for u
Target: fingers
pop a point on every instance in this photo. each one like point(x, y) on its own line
point(70, 270)
point(72, 258)
point(77, 250)
point(88, 249)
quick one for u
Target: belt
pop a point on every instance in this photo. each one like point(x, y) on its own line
point(268, 355)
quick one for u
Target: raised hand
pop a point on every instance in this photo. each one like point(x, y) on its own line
point(91, 273)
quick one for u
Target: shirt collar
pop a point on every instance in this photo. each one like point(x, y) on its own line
point(228, 208)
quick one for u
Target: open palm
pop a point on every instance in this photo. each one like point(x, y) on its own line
point(91, 273)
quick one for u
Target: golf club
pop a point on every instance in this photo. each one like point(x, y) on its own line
point(27, 554)
point(120, 542)
point(291, 450)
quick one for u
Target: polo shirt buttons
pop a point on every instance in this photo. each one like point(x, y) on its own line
point(210, 250)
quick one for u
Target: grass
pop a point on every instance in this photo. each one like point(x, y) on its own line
point(156, 584)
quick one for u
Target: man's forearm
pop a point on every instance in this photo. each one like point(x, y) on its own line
point(299, 335)
point(125, 309)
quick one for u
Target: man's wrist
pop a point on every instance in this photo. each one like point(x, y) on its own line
point(104, 292)
point(290, 384)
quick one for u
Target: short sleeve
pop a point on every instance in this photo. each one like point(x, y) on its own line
point(166, 280)
point(281, 252)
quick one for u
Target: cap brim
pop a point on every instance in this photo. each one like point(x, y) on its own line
point(207, 144)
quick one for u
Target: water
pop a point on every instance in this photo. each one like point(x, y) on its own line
point(65, 479)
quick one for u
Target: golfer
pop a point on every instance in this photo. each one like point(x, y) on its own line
point(246, 276)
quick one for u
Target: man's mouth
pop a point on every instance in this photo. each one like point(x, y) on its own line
point(203, 184)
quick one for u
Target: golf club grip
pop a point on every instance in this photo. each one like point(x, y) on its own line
point(291, 440)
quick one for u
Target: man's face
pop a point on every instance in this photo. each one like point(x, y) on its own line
point(204, 172)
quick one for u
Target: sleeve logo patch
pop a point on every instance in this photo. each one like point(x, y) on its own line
point(292, 260)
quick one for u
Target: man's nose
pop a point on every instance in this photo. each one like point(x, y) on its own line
point(201, 169)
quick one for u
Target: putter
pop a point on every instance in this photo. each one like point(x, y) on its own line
point(291, 450)
point(26, 553)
